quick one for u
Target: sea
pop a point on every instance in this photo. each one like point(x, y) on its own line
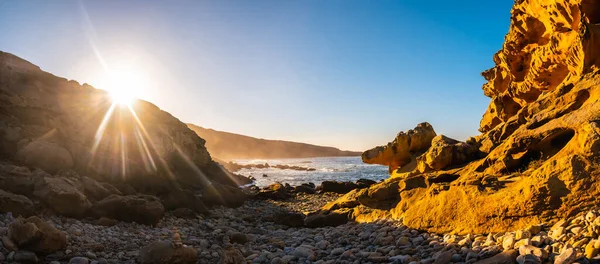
point(326, 169)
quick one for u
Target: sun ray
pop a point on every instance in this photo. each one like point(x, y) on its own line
point(100, 132)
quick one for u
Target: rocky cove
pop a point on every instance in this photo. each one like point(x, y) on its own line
point(86, 180)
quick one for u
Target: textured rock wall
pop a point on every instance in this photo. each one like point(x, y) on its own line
point(548, 44)
point(537, 158)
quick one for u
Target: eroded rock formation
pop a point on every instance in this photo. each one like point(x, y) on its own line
point(80, 149)
point(537, 158)
point(403, 149)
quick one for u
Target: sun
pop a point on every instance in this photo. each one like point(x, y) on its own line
point(125, 84)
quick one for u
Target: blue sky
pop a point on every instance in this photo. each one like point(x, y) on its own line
point(347, 73)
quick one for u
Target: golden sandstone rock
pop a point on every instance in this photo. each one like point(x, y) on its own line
point(401, 151)
point(537, 158)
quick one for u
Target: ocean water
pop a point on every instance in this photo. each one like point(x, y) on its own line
point(331, 168)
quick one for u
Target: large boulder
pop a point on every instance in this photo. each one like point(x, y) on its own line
point(337, 187)
point(164, 252)
point(48, 156)
point(95, 190)
point(401, 151)
point(142, 209)
point(18, 179)
point(446, 152)
point(275, 191)
point(15, 204)
point(219, 194)
point(181, 198)
point(36, 235)
point(62, 195)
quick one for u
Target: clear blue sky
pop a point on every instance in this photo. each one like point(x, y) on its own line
point(344, 73)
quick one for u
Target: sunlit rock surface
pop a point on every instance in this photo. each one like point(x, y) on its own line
point(63, 131)
point(403, 149)
point(537, 158)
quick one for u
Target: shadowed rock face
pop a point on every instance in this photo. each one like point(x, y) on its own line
point(55, 124)
point(81, 148)
point(537, 158)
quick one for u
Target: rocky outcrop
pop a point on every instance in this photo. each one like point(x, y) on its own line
point(55, 124)
point(537, 157)
point(549, 44)
point(70, 148)
point(403, 149)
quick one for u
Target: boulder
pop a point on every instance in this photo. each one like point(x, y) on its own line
point(400, 152)
point(96, 191)
point(164, 252)
point(48, 156)
point(36, 235)
point(142, 209)
point(305, 188)
point(446, 152)
point(15, 204)
point(290, 219)
point(62, 196)
point(327, 218)
point(184, 213)
point(219, 194)
point(364, 183)
point(337, 187)
point(181, 198)
point(275, 191)
point(232, 255)
point(18, 179)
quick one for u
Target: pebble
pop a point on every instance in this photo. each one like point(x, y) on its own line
point(567, 257)
point(267, 242)
point(79, 260)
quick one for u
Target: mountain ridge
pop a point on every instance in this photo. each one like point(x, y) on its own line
point(218, 144)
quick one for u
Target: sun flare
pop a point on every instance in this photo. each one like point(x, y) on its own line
point(125, 84)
